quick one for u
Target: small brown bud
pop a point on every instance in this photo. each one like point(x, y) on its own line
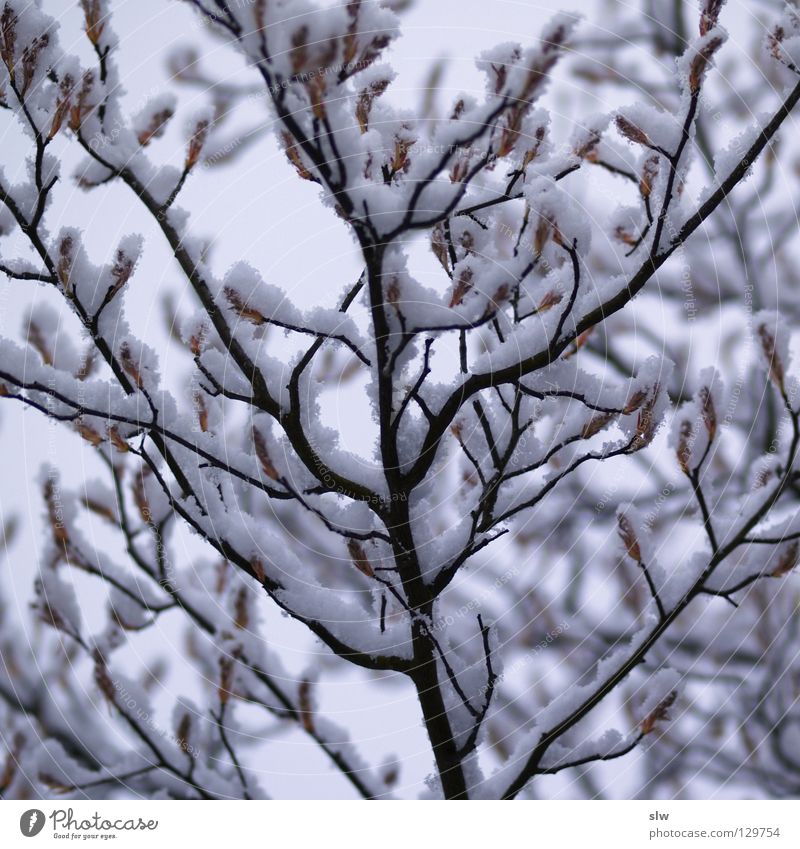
point(589, 145)
point(258, 570)
point(298, 55)
point(624, 235)
point(550, 300)
point(649, 173)
point(93, 18)
point(36, 340)
point(103, 679)
point(462, 287)
point(89, 434)
point(359, 556)
point(511, 131)
point(439, 247)
point(293, 155)
point(81, 106)
point(684, 448)
point(763, 477)
point(225, 688)
point(121, 272)
point(776, 371)
point(202, 411)
point(99, 509)
point(635, 401)
point(246, 312)
point(155, 126)
point(54, 513)
point(66, 249)
point(140, 496)
point(197, 341)
point(628, 537)
point(316, 88)
point(183, 732)
point(579, 343)
point(8, 39)
point(305, 705)
point(596, 424)
point(708, 412)
point(701, 63)
point(460, 169)
point(646, 422)
point(401, 161)
point(263, 455)
point(117, 441)
point(196, 143)
point(30, 60)
point(659, 714)
point(631, 132)
point(775, 44)
point(129, 365)
point(787, 560)
point(393, 293)
point(241, 610)
point(365, 100)
point(499, 298)
point(710, 15)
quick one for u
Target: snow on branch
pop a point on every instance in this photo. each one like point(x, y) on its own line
point(497, 387)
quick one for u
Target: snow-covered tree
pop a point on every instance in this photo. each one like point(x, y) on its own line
point(576, 525)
